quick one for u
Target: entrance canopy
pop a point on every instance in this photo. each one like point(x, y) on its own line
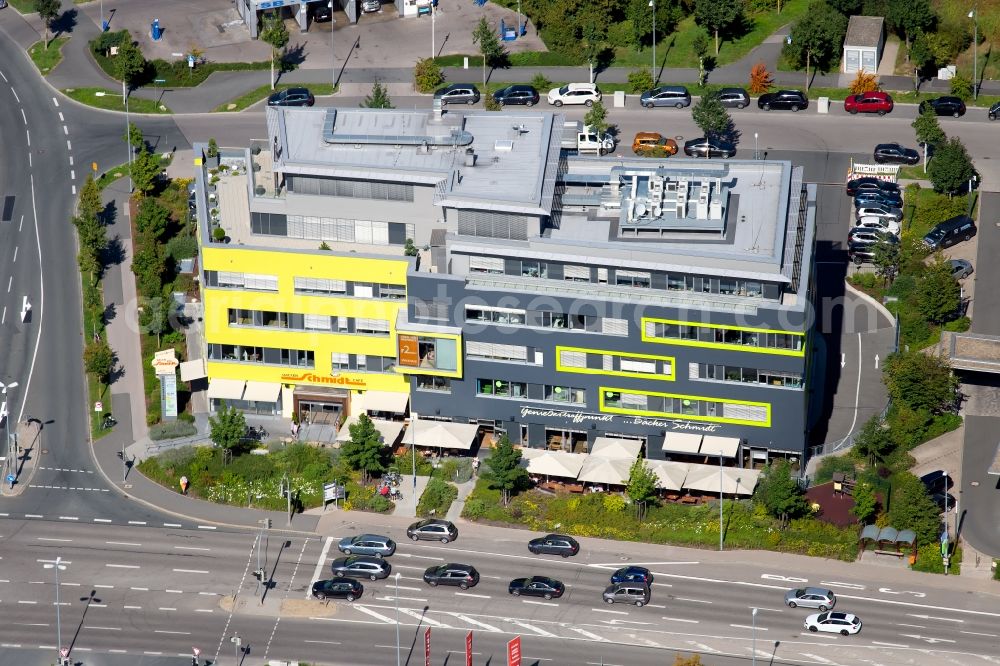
point(612, 447)
point(262, 391)
point(612, 471)
point(226, 389)
point(713, 445)
point(382, 401)
point(670, 474)
point(682, 442)
point(389, 430)
point(443, 434)
point(193, 370)
point(553, 463)
point(734, 480)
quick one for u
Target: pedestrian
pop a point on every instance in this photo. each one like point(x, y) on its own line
point(475, 466)
point(184, 485)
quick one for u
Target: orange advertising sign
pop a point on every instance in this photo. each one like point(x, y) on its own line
point(408, 351)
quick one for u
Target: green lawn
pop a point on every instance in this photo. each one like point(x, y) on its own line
point(47, 59)
point(112, 101)
point(23, 6)
point(250, 98)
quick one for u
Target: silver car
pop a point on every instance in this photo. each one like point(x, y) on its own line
point(811, 597)
point(367, 544)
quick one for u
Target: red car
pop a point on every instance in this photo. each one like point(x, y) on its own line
point(869, 102)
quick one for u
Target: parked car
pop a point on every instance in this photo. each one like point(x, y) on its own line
point(879, 211)
point(536, 586)
point(878, 223)
point(574, 93)
point(894, 153)
point(653, 144)
point(844, 624)
point(434, 529)
point(994, 111)
point(337, 588)
point(708, 147)
point(869, 102)
point(632, 575)
point(867, 236)
point(522, 95)
point(870, 183)
point(554, 544)
point(878, 198)
point(458, 93)
point(371, 6)
point(292, 97)
point(960, 268)
point(811, 597)
point(463, 575)
point(734, 98)
point(939, 481)
point(361, 566)
point(944, 106)
point(321, 12)
point(949, 232)
point(791, 100)
point(627, 593)
point(367, 544)
point(861, 253)
point(675, 96)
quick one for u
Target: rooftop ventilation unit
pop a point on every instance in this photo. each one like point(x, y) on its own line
point(503, 145)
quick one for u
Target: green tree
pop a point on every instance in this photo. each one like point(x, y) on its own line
point(48, 11)
point(643, 486)
point(717, 16)
point(597, 117)
point(711, 116)
point(865, 502)
point(490, 48)
point(920, 381)
point(885, 256)
point(152, 218)
point(274, 32)
point(911, 508)
point(148, 266)
point(951, 169)
point(99, 359)
point(93, 242)
point(908, 17)
point(129, 63)
point(154, 318)
point(816, 37)
point(378, 98)
point(364, 451)
point(592, 46)
point(427, 75)
point(134, 137)
point(145, 169)
point(506, 473)
point(961, 86)
point(938, 293)
point(90, 204)
point(928, 131)
point(846, 7)
point(701, 44)
point(874, 441)
point(921, 57)
point(779, 493)
point(228, 428)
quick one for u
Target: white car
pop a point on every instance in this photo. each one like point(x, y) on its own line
point(844, 624)
point(879, 211)
point(371, 6)
point(880, 223)
point(574, 93)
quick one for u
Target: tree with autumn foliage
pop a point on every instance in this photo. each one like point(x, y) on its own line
point(760, 79)
point(864, 82)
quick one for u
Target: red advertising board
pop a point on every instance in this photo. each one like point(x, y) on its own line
point(427, 647)
point(468, 649)
point(514, 651)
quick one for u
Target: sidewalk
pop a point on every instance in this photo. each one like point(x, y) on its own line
point(406, 506)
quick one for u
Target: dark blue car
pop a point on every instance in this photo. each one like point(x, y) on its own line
point(632, 575)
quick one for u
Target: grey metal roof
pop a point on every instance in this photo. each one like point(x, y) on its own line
point(864, 31)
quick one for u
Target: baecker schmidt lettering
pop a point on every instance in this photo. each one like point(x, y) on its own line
point(318, 379)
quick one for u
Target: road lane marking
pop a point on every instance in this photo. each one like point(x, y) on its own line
point(71, 584)
point(65, 130)
point(605, 610)
point(531, 627)
point(123, 543)
point(174, 525)
point(538, 603)
point(470, 594)
point(412, 589)
point(422, 557)
point(140, 589)
point(27, 602)
point(61, 119)
point(103, 628)
point(206, 527)
point(423, 618)
point(377, 616)
point(137, 522)
point(24, 117)
point(477, 623)
point(209, 594)
point(33, 515)
point(769, 610)
point(54, 539)
point(896, 645)
point(912, 626)
point(816, 658)
point(679, 619)
point(164, 608)
point(10, 645)
point(174, 591)
point(93, 605)
point(390, 598)
point(584, 632)
point(940, 619)
point(317, 572)
point(191, 571)
point(102, 520)
point(190, 547)
point(747, 626)
point(407, 566)
point(115, 651)
point(105, 587)
point(976, 633)
point(123, 566)
point(321, 642)
point(166, 631)
point(695, 601)
point(132, 607)
point(204, 610)
point(850, 586)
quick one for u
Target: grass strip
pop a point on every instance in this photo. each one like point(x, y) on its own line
point(261, 93)
point(112, 101)
point(46, 59)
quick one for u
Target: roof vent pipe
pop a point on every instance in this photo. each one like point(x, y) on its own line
point(470, 157)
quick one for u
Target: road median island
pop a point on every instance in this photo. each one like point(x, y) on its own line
point(109, 100)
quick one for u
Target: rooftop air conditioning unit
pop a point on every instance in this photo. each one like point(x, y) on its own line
point(503, 145)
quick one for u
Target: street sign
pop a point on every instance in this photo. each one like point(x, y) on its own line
point(98, 406)
point(11, 479)
point(427, 647)
point(514, 651)
point(333, 491)
point(468, 649)
point(63, 652)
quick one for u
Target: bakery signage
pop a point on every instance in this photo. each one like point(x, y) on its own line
point(310, 378)
point(584, 417)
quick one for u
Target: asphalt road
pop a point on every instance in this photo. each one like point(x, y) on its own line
point(156, 592)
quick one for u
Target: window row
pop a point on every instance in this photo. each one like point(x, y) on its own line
point(533, 268)
point(734, 373)
point(488, 351)
point(723, 335)
point(362, 362)
point(308, 322)
point(247, 281)
point(335, 230)
point(306, 286)
point(502, 388)
point(545, 319)
point(354, 189)
point(668, 405)
point(596, 361)
point(303, 358)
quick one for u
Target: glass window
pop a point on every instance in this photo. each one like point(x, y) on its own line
point(534, 269)
point(431, 383)
point(675, 282)
point(727, 286)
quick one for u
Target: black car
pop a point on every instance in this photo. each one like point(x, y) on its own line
point(632, 575)
point(536, 586)
point(791, 100)
point(894, 153)
point(994, 111)
point(708, 147)
point(734, 98)
point(433, 529)
point(877, 198)
point(944, 106)
point(321, 12)
point(554, 544)
point(937, 481)
point(870, 183)
point(292, 97)
point(458, 93)
point(463, 575)
point(361, 566)
point(523, 95)
point(337, 588)
point(951, 231)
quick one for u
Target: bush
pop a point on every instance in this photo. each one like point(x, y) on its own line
point(639, 81)
point(541, 82)
point(436, 498)
point(961, 86)
point(491, 104)
point(186, 417)
point(427, 75)
point(863, 281)
point(182, 247)
point(831, 464)
point(219, 234)
point(960, 325)
point(864, 82)
point(455, 470)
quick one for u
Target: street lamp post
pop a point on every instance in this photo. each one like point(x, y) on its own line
point(333, 56)
point(397, 618)
point(720, 500)
point(974, 15)
point(753, 640)
point(5, 415)
point(433, 34)
point(652, 4)
point(57, 566)
point(413, 457)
